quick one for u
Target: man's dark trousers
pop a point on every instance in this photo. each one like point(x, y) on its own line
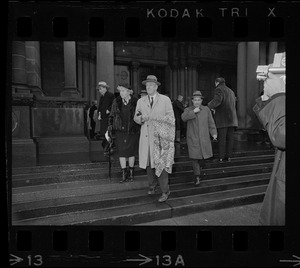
point(226, 138)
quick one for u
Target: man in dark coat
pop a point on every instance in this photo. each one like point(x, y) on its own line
point(270, 109)
point(178, 110)
point(105, 103)
point(225, 117)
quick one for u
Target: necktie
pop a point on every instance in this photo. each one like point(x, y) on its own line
point(151, 101)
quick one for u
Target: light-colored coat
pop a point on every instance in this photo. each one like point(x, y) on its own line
point(162, 106)
point(199, 128)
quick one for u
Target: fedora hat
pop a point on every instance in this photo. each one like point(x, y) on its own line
point(151, 78)
point(103, 84)
point(197, 94)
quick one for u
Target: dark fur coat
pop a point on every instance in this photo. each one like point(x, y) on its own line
point(115, 119)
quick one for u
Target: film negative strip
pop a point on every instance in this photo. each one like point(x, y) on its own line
point(55, 219)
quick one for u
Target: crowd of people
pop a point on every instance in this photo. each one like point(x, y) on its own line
point(151, 125)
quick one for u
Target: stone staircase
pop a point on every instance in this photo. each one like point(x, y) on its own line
point(83, 193)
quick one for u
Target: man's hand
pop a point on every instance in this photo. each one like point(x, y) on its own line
point(196, 110)
point(99, 116)
point(107, 111)
point(213, 111)
point(144, 118)
point(215, 137)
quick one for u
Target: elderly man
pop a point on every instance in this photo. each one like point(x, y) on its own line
point(155, 114)
point(105, 103)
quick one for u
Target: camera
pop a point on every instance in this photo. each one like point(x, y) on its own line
point(278, 67)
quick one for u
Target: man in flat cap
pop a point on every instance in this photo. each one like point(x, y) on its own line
point(105, 103)
point(225, 117)
point(154, 112)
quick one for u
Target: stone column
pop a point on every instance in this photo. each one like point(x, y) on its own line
point(171, 83)
point(23, 148)
point(175, 79)
point(93, 92)
point(135, 77)
point(252, 83)
point(241, 84)
point(195, 76)
point(86, 80)
point(80, 74)
point(33, 67)
point(273, 46)
point(181, 85)
point(105, 63)
point(19, 75)
point(70, 64)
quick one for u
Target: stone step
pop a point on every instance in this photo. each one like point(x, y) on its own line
point(97, 173)
point(78, 188)
point(115, 163)
point(131, 197)
point(146, 212)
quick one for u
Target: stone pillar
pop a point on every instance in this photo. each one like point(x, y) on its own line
point(33, 67)
point(135, 77)
point(273, 46)
point(23, 147)
point(86, 81)
point(93, 91)
point(252, 83)
point(190, 79)
point(195, 76)
point(105, 63)
point(70, 65)
point(168, 77)
point(19, 75)
point(181, 85)
point(80, 74)
point(175, 79)
point(171, 83)
point(241, 84)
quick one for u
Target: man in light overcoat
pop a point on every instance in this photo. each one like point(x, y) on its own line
point(150, 107)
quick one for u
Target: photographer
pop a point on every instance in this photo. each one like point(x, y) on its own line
point(270, 109)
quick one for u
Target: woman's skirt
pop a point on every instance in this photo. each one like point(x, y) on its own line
point(127, 144)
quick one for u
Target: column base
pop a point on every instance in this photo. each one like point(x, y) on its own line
point(63, 150)
point(23, 153)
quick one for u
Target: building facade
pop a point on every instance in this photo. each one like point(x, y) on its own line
point(53, 84)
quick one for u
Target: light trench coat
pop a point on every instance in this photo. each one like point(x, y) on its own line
point(162, 106)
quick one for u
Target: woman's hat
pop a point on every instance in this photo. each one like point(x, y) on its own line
point(125, 85)
point(103, 84)
point(197, 94)
point(151, 78)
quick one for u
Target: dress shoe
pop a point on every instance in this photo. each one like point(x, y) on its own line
point(228, 159)
point(164, 197)
point(152, 191)
point(197, 181)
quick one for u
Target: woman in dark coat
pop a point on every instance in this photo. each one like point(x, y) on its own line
point(127, 131)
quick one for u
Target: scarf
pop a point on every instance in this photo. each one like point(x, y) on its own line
point(164, 149)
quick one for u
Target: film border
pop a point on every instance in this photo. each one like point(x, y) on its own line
point(113, 252)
